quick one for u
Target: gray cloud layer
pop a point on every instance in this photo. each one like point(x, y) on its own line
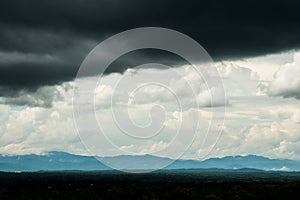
point(43, 42)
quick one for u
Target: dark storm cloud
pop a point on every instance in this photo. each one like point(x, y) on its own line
point(30, 58)
point(225, 28)
point(44, 42)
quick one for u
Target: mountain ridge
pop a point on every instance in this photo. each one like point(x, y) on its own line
point(60, 161)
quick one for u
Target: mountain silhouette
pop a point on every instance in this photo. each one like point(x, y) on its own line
point(61, 161)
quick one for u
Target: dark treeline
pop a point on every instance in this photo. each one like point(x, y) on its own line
point(167, 185)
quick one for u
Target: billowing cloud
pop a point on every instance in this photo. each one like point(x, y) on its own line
point(169, 86)
point(37, 130)
point(238, 79)
point(42, 97)
point(286, 82)
point(254, 125)
point(262, 127)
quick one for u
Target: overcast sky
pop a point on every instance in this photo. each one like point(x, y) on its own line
point(255, 46)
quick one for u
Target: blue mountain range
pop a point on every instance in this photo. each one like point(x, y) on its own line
point(62, 161)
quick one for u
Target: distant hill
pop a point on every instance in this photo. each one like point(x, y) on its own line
point(60, 161)
point(241, 162)
point(52, 161)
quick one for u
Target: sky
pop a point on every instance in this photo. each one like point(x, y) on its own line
point(254, 45)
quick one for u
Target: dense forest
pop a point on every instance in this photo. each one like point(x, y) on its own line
point(159, 185)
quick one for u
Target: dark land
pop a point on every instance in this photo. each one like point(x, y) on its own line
point(174, 184)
